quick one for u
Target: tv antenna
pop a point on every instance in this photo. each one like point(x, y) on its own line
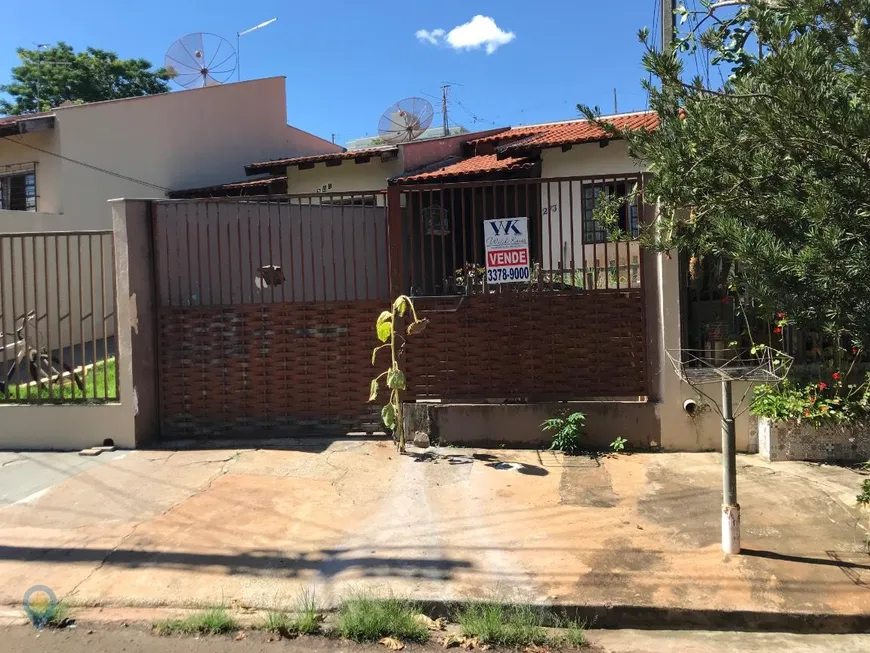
point(201, 59)
point(239, 36)
point(405, 120)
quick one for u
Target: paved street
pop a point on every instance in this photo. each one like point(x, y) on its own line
point(630, 539)
point(140, 640)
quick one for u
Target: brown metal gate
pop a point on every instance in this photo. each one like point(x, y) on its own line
point(267, 305)
point(266, 313)
point(574, 330)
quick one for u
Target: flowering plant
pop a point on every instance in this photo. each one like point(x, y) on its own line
point(818, 402)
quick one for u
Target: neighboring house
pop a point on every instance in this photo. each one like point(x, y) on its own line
point(59, 168)
point(69, 161)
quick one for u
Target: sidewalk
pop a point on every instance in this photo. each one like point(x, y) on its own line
point(629, 539)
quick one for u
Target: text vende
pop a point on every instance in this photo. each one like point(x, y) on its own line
point(507, 257)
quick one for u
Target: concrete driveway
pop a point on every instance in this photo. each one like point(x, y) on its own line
point(632, 538)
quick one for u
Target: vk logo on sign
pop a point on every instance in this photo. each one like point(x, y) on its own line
point(505, 227)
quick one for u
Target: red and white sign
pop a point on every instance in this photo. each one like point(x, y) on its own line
point(507, 250)
point(507, 257)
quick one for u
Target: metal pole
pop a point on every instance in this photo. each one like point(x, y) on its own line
point(730, 507)
point(445, 129)
point(239, 56)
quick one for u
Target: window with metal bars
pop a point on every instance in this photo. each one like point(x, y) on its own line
point(593, 230)
point(18, 188)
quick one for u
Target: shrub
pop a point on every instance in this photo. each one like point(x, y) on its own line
point(818, 403)
point(567, 432)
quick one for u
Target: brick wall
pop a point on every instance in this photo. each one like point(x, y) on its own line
point(531, 346)
point(268, 369)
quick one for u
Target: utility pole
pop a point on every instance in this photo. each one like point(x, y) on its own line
point(669, 22)
point(730, 507)
point(445, 127)
point(615, 103)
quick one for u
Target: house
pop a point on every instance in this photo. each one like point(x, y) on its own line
point(59, 168)
point(64, 164)
point(600, 319)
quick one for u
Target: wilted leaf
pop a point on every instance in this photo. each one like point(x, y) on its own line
point(373, 391)
point(392, 643)
point(388, 415)
point(375, 352)
point(385, 330)
point(466, 642)
point(431, 624)
point(385, 316)
point(396, 380)
point(401, 305)
point(417, 327)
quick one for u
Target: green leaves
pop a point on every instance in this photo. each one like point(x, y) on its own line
point(567, 432)
point(384, 326)
point(373, 390)
point(396, 379)
point(87, 76)
point(400, 305)
point(388, 416)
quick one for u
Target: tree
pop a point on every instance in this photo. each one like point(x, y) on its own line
point(59, 74)
point(771, 171)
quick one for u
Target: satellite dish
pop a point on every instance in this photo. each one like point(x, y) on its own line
point(405, 120)
point(201, 59)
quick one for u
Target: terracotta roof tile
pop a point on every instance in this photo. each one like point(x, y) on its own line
point(475, 165)
point(317, 158)
point(566, 133)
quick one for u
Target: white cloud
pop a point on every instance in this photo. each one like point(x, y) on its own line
point(480, 31)
point(429, 37)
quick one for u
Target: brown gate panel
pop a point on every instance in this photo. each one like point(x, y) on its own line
point(531, 347)
point(267, 369)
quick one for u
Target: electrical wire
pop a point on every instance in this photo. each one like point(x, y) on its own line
point(86, 165)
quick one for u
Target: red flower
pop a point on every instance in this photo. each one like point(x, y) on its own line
point(807, 412)
point(854, 350)
point(835, 376)
point(777, 330)
point(823, 385)
point(780, 315)
point(726, 299)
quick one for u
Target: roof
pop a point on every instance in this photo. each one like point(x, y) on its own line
point(566, 133)
point(248, 187)
point(264, 166)
point(475, 165)
point(18, 124)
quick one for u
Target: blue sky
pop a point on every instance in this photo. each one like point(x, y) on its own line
point(346, 61)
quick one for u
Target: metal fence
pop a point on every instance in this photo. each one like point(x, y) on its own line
point(569, 249)
point(323, 247)
point(57, 317)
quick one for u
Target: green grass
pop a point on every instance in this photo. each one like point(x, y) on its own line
point(214, 621)
point(96, 386)
point(575, 633)
point(497, 624)
point(366, 619)
point(306, 621)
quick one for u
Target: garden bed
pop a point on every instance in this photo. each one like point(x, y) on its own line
point(800, 440)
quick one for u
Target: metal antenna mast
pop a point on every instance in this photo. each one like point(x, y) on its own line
point(239, 36)
point(445, 128)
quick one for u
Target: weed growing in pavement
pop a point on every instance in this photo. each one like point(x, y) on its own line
point(567, 430)
point(575, 633)
point(367, 619)
point(618, 445)
point(214, 621)
point(306, 621)
point(497, 624)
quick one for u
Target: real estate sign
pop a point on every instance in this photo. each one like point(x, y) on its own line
point(507, 250)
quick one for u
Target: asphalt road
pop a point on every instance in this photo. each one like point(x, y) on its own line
point(140, 639)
